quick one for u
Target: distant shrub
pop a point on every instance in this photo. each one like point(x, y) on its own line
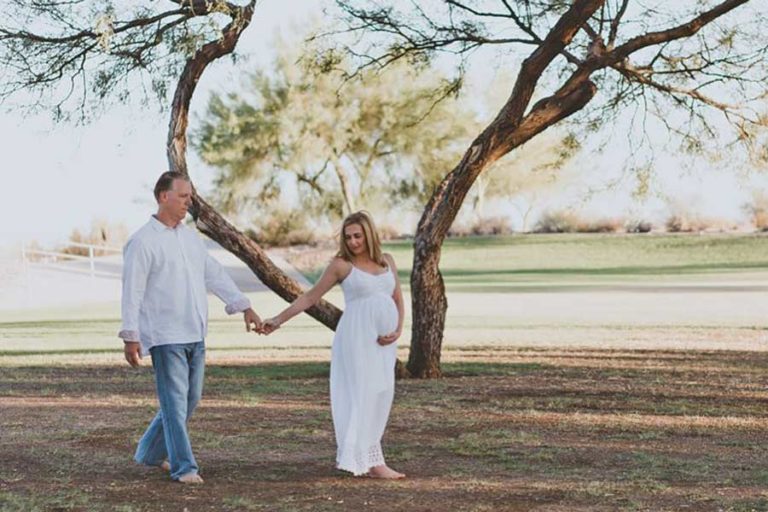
point(282, 229)
point(638, 226)
point(600, 226)
point(484, 226)
point(688, 223)
point(491, 226)
point(760, 220)
point(102, 234)
point(388, 232)
point(757, 209)
point(556, 222)
point(459, 229)
point(569, 222)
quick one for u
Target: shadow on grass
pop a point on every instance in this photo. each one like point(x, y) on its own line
point(487, 435)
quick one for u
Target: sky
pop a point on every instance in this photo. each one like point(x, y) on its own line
point(57, 178)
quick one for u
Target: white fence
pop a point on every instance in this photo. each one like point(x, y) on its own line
point(96, 266)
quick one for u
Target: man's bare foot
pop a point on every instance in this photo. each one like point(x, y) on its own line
point(165, 465)
point(385, 472)
point(191, 478)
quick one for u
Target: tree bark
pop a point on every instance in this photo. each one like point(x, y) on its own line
point(208, 220)
point(429, 303)
point(509, 130)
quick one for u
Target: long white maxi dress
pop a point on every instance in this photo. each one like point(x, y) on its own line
point(362, 371)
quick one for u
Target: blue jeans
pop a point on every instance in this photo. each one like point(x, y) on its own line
point(179, 372)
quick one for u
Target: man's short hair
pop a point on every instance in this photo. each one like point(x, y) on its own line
point(165, 182)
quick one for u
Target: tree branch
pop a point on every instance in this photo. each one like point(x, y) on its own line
point(678, 32)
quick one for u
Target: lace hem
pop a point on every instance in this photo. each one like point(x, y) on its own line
point(358, 461)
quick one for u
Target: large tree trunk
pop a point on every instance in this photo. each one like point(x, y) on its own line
point(508, 131)
point(208, 220)
point(429, 303)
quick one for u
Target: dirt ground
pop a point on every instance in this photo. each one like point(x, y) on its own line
point(510, 429)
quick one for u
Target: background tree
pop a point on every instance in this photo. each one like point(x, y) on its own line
point(79, 53)
point(338, 143)
point(656, 58)
point(75, 56)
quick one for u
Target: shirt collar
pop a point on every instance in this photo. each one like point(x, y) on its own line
point(159, 226)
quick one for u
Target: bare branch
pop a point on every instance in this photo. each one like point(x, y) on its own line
point(615, 24)
point(532, 68)
point(678, 32)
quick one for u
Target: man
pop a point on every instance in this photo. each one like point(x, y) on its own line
point(166, 274)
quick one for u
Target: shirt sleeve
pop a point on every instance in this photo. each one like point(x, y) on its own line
point(220, 284)
point(136, 267)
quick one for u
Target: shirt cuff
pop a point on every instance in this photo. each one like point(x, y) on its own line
point(127, 336)
point(238, 306)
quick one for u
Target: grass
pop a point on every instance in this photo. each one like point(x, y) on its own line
point(526, 258)
point(536, 409)
point(503, 430)
point(585, 258)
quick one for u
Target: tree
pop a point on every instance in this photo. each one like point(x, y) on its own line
point(342, 142)
point(523, 177)
point(66, 49)
point(629, 53)
point(76, 55)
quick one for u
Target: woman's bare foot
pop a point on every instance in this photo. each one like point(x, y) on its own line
point(165, 465)
point(385, 472)
point(191, 478)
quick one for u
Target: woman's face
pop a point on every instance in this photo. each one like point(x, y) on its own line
point(354, 237)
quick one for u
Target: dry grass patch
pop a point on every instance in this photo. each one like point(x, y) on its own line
point(512, 429)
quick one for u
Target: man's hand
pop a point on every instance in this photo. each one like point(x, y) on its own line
point(252, 320)
point(270, 325)
point(132, 351)
point(389, 338)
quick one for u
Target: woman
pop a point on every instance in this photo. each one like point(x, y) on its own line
point(364, 349)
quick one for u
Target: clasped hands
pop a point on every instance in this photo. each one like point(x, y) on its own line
point(254, 324)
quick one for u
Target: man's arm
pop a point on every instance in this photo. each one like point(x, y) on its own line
point(135, 272)
point(219, 282)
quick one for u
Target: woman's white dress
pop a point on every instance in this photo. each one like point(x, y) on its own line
point(362, 371)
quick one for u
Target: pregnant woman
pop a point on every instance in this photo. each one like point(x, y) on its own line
point(364, 349)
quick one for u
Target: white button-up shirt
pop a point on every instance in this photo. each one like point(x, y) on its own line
point(166, 274)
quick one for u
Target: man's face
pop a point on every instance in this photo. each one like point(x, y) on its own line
point(176, 202)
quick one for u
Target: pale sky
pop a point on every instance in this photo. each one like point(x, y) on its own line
point(60, 177)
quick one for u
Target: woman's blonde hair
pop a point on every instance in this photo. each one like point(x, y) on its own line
point(372, 241)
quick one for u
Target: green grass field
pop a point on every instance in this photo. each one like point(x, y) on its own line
point(583, 372)
point(590, 258)
point(520, 258)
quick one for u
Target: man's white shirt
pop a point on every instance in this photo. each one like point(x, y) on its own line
point(167, 273)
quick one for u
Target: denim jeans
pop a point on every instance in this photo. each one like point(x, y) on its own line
point(179, 372)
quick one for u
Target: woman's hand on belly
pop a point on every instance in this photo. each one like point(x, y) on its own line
point(390, 338)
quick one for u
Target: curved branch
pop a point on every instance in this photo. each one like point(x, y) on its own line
point(555, 42)
point(727, 109)
point(209, 221)
point(678, 32)
point(89, 34)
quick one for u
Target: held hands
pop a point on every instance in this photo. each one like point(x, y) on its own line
point(252, 321)
point(389, 338)
point(254, 324)
point(270, 325)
